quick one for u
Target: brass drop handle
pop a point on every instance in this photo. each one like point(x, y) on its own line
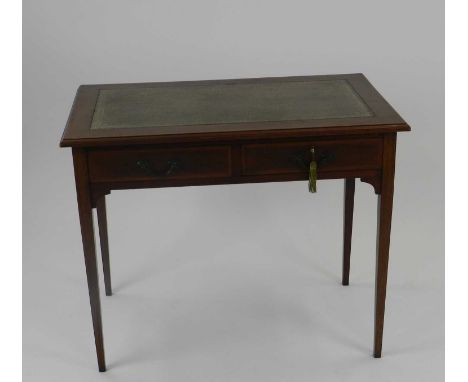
point(146, 166)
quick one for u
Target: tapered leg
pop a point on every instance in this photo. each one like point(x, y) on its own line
point(102, 223)
point(385, 206)
point(87, 235)
point(347, 226)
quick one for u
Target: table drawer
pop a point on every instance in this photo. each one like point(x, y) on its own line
point(285, 158)
point(160, 163)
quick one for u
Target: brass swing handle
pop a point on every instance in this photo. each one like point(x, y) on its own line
point(146, 166)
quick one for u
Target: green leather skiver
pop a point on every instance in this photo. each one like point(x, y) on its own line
point(313, 173)
point(214, 103)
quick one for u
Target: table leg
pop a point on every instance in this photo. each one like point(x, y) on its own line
point(89, 249)
point(385, 205)
point(102, 223)
point(347, 226)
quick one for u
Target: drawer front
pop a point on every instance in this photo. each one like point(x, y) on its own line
point(159, 164)
point(287, 158)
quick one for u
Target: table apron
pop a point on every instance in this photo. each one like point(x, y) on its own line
point(179, 166)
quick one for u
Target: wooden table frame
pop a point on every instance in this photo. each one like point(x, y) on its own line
point(247, 154)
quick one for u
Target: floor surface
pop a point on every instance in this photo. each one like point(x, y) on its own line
point(233, 283)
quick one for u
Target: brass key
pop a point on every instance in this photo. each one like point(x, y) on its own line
point(313, 172)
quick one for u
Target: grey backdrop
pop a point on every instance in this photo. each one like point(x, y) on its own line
point(233, 283)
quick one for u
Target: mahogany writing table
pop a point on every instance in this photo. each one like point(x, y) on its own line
point(174, 134)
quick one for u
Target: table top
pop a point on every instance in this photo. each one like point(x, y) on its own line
point(227, 109)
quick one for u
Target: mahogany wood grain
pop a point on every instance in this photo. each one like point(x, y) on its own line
point(332, 155)
point(191, 163)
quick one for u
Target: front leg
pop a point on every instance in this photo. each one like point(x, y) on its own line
point(385, 205)
point(89, 249)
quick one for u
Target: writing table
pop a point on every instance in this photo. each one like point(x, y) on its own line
point(172, 134)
